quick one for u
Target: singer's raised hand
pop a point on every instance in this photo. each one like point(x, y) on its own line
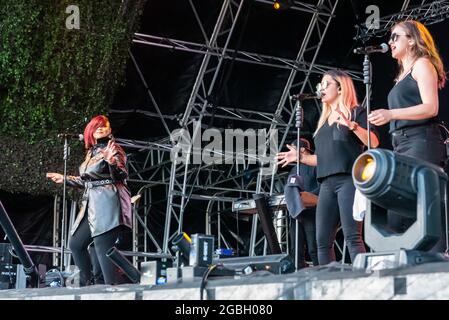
point(284, 158)
point(345, 121)
point(109, 152)
point(55, 177)
point(341, 119)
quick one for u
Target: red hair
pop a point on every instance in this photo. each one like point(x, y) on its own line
point(94, 124)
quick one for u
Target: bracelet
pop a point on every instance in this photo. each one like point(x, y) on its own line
point(355, 126)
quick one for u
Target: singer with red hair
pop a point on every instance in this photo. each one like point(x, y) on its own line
point(106, 202)
point(339, 139)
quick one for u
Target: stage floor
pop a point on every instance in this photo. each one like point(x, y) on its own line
point(426, 281)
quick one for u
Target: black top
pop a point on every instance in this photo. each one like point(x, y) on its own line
point(406, 94)
point(336, 147)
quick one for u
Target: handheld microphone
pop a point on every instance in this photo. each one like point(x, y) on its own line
point(306, 96)
point(77, 136)
point(382, 48)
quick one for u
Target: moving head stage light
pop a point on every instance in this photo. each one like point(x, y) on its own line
point(407, 186)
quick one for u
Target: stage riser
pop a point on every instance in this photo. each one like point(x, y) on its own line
point(284, 287)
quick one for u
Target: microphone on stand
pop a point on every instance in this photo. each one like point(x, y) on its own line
point(77, 136)
point(306, 96)
point(382, 48)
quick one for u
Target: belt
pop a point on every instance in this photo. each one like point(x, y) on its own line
point(404, 131)
point(97, 183)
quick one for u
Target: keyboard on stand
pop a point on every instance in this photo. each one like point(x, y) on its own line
point(248, 206)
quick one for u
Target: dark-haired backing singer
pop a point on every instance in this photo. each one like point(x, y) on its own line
point(413, 101)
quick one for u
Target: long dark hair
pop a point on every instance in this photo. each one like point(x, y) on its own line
point(424, 47)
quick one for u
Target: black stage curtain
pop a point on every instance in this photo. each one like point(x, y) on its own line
point(32, 217)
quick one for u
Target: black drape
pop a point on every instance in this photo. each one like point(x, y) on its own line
point(32, 217)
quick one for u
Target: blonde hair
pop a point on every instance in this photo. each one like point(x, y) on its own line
point(424, 47)
point(347, 100)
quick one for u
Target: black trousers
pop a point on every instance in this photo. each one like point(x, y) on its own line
point(102, 243)
point(425, 143)
point(335, 205)
point(306, 237)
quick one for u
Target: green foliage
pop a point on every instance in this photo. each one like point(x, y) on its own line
point(53, 79)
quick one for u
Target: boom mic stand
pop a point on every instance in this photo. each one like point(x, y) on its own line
point(64, 206)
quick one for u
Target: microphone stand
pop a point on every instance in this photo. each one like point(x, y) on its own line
point(299, 119)
point(367, 74)
point(64, 207)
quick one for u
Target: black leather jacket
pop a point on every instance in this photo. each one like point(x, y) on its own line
point(106, 197)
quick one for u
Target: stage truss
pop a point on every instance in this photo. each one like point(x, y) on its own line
point(151, 165)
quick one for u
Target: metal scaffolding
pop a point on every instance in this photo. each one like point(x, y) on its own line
point(426, 13)
point(157, 166)
point(169, 165)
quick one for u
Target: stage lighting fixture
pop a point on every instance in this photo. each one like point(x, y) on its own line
point(283, 4)
point(182, 243)
point(395, 259)
point(124, 264)
point(201, 250)
point(406, 186)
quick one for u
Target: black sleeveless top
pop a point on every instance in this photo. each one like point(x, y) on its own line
point(336, 147)
point(406, 94)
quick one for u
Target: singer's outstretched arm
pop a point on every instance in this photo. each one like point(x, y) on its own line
point(75, 181)
point(72, 181)
point(284, 158)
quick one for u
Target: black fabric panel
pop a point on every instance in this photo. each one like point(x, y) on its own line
point(32, 217)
